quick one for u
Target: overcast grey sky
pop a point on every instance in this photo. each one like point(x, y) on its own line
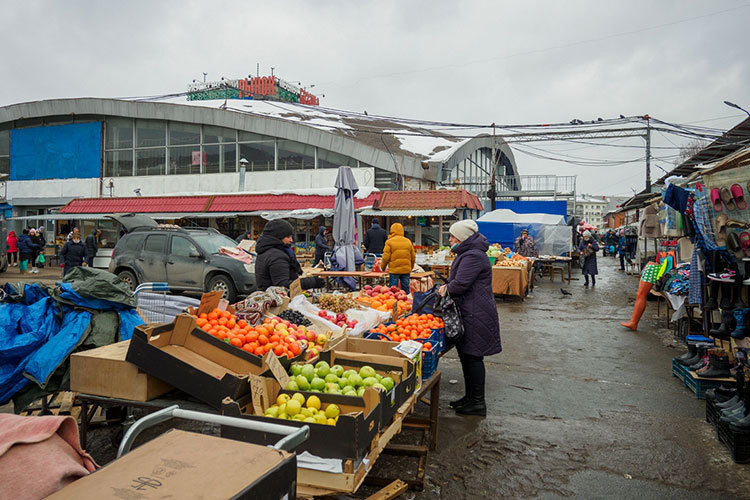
point(468, 61)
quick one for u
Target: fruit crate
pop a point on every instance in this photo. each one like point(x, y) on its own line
point(680, 371)
point(429, 360)
point(738, 443)
point(700, 386)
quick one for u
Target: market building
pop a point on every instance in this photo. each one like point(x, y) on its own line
point(56, 150)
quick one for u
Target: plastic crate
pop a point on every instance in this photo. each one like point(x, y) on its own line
point(738, 443)
point(712, 412)
point(680, 371)
point(699, 386)
point(429, 360)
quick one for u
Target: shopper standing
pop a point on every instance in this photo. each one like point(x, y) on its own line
point(587, 248)
point(25, 250)
point(321, 247)
point(375, 238)
point(276, 264)
point(398, 257)
point(39, 242)
point(73, 253)
point(92, 246)
point(12, 248)
point(470, 284)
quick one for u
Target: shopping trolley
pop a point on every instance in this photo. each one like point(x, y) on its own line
point(152, 301)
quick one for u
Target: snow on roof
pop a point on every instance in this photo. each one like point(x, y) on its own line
point(403, 138)
point(363, 192)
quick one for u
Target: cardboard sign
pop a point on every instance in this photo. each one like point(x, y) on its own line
point(295, 288)
point(394, 311)
point(259, 394)
point(278, 371)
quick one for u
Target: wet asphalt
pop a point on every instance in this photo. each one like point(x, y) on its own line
point(580, 407)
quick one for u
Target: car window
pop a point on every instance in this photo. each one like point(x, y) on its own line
point(182, 247)
point(132, 242)
point(155, 243)
point(212, 242)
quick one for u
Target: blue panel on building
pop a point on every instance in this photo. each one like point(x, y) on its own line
point(56, 152)
point(536, 207)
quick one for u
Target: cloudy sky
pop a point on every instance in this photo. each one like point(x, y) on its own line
point(469, 62)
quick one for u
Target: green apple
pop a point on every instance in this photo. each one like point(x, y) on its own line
point(388, 383)
point(367, 371)
point(292, 385)
point(370, 381)
point(355, 380)
point(302, 383)
point(332, 379)
point(337, 370)
point(308, 372)
point(296, 370)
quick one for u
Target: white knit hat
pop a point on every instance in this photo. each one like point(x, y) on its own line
point(463, 229)
point(587, 234)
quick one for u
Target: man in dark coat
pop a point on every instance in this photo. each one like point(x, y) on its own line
point(470, 284)
point(247, 235)
point(276, 264)
point(73, 253)
point(25, 249)
point(92, 246)
point(375, 238)
point(321, 247)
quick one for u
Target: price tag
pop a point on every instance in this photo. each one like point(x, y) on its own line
point(394, 312)
point(259, 394)
point(278, 371)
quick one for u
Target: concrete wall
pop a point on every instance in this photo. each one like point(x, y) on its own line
point(158, 185)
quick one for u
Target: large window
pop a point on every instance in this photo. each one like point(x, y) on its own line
point(185, 160)
point(118, 163)
point(5, 152)
point(259, 155)
point(295, 155)
point(119, 133)
point(150, 161)
point(181, 134)
point(150, 133)
point(329, 159)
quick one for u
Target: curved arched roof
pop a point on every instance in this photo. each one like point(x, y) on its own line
point(419, 152)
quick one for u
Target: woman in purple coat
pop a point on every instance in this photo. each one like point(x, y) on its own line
point(470, 284)
point(587, 248)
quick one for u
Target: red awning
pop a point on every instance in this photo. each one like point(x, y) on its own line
point(137, 204)
point(441, 198)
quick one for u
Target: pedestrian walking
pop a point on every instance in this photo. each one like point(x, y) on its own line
point(37, 240)
point(398, 257)
point(587, 248)
point(12, 248)
point(73, 253)
point(25, 250)
point(470, 284)
point(321, 247)
point(375, 238)
point(92, 246)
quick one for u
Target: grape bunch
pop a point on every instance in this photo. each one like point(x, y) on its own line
point(336, 303)
point(295, 317)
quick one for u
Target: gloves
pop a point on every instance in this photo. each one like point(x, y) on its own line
point(312, 282)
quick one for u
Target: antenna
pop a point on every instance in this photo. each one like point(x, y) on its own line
point(204, 76)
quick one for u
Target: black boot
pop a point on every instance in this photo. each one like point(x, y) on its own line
point(458, 403)
point(691, 361)
point(713, 292)
point(689, 354)
point(718, 365)
point(737, 302)
point(724, 331)
point(726, 296)
point(476, 404)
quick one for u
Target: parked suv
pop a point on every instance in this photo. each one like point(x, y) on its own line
point(187, 259)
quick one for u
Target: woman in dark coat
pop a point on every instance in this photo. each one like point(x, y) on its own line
point(276, 264)
point(587, 248)
point(321, 247)
point(470, 284)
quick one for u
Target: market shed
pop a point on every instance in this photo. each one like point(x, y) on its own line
point(553, 236)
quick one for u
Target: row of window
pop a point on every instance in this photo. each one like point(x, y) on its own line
point(4, 152)
point(154, 147)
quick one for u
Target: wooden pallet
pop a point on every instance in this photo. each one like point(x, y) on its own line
point(312, 483)
point(60, 403)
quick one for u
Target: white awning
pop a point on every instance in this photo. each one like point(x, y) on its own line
point(425, 212)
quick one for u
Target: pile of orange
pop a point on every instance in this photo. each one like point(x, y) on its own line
point(278, 336)
point(384, 302)
point(415, 326)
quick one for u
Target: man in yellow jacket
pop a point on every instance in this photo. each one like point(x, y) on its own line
point(398, 257)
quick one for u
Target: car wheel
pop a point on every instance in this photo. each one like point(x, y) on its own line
point(223, 283)
point(129, 279)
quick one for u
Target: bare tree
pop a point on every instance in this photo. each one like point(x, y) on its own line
point(689, 150)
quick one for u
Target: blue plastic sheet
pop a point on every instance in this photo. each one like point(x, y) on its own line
point(68, 293)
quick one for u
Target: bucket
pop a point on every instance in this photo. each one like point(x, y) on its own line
point(493, 260)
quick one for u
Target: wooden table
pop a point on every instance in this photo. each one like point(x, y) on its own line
point(329, 275)
point(549, 265)
point(510, 281)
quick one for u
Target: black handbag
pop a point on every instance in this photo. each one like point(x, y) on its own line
point(451, 312)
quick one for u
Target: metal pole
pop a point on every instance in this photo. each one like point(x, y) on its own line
point(648, 153)
point(492, 191)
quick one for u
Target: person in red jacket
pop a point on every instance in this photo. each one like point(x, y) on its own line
point(12, 242)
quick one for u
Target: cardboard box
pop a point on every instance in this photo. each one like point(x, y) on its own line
point(350, 438)
point(358, 352)
point(181, 464)
point(105, 372)
point(192, 360)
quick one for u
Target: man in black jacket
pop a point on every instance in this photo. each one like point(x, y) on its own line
point(276, 264)
point(321, 246)
point(375, 238)
point(92, 246)
point(73, 253)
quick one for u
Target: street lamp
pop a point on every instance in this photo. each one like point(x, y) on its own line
point(736, 106)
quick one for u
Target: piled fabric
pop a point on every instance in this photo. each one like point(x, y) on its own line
point(40, 327)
